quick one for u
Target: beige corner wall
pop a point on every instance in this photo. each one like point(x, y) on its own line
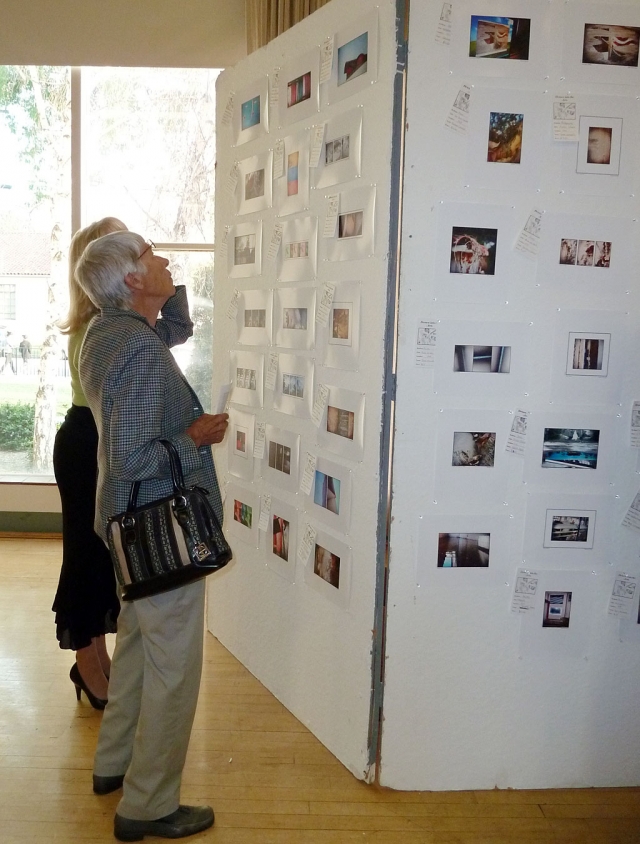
point(125, 33)
point(134, 33)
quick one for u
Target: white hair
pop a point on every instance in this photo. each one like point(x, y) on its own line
point(104, 265)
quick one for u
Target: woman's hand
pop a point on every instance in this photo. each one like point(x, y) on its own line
point(208, 428)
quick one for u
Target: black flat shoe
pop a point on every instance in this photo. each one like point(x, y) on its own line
point(79, 683)
point(105, 785)
point(186, 820)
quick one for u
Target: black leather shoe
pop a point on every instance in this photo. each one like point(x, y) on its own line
point(186, 820)
point(105, 785)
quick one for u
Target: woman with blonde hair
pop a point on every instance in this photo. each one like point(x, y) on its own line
point(86, 603)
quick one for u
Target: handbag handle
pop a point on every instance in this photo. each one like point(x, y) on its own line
point(177, 475)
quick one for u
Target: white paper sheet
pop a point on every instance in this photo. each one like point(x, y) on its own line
point(622, 595)
point(319, 404)
point(443, 31)
point(426, 343)
point(306, 543)
point(308, 473)
point(525, 588)
point(528, 242)
point(458, 118)
point(635, 425)
point(265, 512)
point(324, 306)
point(565, 118)
point(258, 446)
point(632, 517)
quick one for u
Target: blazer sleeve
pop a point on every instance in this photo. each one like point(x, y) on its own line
point(175, 325)
point(147, 403)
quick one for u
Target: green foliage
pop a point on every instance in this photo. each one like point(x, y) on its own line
point(16, 426)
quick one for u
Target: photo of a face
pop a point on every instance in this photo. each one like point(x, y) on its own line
point(473, 448)
point(254, 184)
point(292, 173)
point(340, 324)
point(255, 318)
point(610, 45)
point(505, 137)
point(352, 58)
point(499, 37)
point(340, 422)
point(473, 251)
point(250, 113)
point(294, 318)
point(482, 359)
point(599, 145)
point(280, 537)
point(557, 609)
point(280, 457)
point(463, 550)
point(569, 529)
point(244, 249)
point(570, 448)
point(299, 90)
point(293, 385)
point(326, 492)
point(350, 225)
point(242, 513)
point(327, 566)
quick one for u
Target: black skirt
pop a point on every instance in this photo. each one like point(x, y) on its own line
point(86, 603)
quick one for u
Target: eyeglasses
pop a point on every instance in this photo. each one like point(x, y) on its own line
point(150, 245)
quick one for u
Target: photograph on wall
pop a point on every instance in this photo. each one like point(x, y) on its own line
point(495, 359)
point(291, 189)
point(331, 494)
point(255, 178)
point(569, 529)
point(242, 512)
point(246, 376)
point(570, 448)
point(298, 250)
point(244, 251)
point(473, 250)
point(280, 530)
point(298, 94)
point(295, 317)
point(340, 337)
point(492, 37)
point(342, 425)
point(281, 539)
point(588, 354)
point(600, 145)
point(326, 565)
point(354, 58)
point(505, 137)
point(585, 253)
point(240, 443)
point(610, 44)
point(281, 458)
point(557, 609)
point(340, 160)
point(253, 320)
point(474, 448)
point(463, 550)
point(354, 232)
point(293, 392)
point(250, 112)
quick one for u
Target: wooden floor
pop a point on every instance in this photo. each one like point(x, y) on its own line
point(269, 780)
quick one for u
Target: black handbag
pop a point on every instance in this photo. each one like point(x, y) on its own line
point(167, 543)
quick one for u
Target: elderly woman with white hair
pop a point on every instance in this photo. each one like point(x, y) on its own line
point(138, 397)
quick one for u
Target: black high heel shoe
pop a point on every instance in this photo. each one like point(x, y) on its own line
point(79, 683)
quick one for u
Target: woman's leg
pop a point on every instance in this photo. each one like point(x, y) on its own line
point(91, 671)
point(103, 654)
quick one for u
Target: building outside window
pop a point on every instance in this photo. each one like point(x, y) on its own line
point(78, 145)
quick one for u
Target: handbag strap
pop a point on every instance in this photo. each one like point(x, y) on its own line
point(177, 475)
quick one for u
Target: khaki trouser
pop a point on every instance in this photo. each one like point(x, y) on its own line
point(153, 692)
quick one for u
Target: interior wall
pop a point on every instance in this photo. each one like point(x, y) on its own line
point(477, 696)
point(144, 33)
point(308, 641)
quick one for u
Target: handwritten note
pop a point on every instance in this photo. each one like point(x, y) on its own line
point(319, 404)
point(528, 242)
point(232, 311)
point(426, 344)
point(458, 118)
point(632, 518)
point(331, 220)
point(326, 301)
point(622, 594)
point(524, 591)
point(517, 438)
point(306, 543)
point(232, 180)
point(272, 371)
point(228, 111)
point(221, 247)
point(443, 32)
point(274, 88)
point(265, 512)
point(565, 118)
point(309, 473)
point(326, 59)
point(317, 138)
point(635, 425)
point(276, 239)
point(278, 160)
point(260, 439)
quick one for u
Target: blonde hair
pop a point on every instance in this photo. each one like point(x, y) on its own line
point(81, 308)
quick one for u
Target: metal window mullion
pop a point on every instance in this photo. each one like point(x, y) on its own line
point(76, 149)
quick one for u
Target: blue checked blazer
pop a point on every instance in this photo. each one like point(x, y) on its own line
point(138, 395)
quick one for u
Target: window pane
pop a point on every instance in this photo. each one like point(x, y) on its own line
point(35, 228)
point(148, 147)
